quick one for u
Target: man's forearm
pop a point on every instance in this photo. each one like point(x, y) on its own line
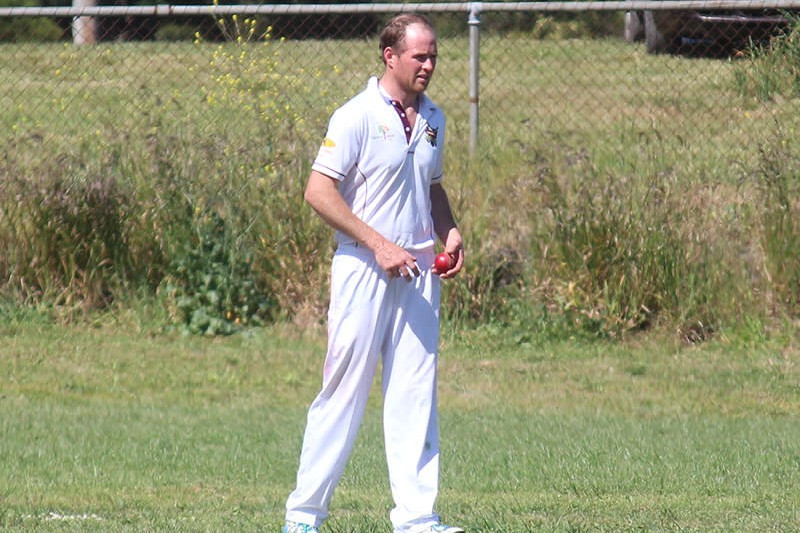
point(323, 196)
point(443, 220)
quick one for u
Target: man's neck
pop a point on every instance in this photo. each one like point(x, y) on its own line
point(407, 100)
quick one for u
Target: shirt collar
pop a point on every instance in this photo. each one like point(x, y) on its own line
point(374, 82)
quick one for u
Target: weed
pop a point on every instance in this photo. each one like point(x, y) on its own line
point(211, 285)
point(772, 70)
point(777, 186)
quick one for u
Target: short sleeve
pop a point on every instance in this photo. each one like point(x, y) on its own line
point(338, 153)
point(438, 169)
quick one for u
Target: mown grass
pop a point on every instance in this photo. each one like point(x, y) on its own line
point(107, 428)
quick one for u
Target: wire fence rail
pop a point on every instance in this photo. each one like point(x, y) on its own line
point(439, 7)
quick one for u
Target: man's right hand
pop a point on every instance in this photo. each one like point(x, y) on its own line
point(396, 261)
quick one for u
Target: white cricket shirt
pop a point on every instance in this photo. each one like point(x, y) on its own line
point(385, 179)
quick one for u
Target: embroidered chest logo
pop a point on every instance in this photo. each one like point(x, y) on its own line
point(431, 135)
point(384, 133)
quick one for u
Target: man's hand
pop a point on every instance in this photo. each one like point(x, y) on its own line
point(396, 261)
point(446, 229)
point(453, 245)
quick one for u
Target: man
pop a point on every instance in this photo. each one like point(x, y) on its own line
point(377, 181)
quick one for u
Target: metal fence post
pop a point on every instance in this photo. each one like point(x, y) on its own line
point(84, 29)
point(474, 72)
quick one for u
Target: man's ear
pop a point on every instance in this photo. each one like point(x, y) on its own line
point(388, 55)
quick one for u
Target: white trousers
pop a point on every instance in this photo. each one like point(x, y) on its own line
point(374, 318)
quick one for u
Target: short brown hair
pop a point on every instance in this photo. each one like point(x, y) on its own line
point(394, 33)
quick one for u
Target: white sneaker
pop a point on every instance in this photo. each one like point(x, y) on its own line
point(441, 528)
point(294, 527)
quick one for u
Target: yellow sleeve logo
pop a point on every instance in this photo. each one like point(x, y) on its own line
point(328, 143)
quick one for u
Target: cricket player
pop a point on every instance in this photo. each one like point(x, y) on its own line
point(377, 180)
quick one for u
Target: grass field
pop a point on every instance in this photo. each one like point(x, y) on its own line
point(113, 428)
point(613, 198)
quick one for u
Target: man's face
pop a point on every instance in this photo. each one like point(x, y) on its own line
point(412, 63)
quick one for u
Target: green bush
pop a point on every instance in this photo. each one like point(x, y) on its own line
point(175, 32)
point(571, 26)
point(211, 286)
point(30, 29)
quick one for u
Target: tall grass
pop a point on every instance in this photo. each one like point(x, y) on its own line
point(777, 187)
point(605, 245)
point(773, 69)
point(199, 206)
point(210, 224)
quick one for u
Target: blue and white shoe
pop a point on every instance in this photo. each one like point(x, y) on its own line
point(441, 528)
point(294, 527)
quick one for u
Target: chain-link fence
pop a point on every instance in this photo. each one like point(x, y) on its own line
point(123, 126)
point(582, 72)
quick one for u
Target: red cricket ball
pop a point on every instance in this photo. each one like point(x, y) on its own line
point(443, 262)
